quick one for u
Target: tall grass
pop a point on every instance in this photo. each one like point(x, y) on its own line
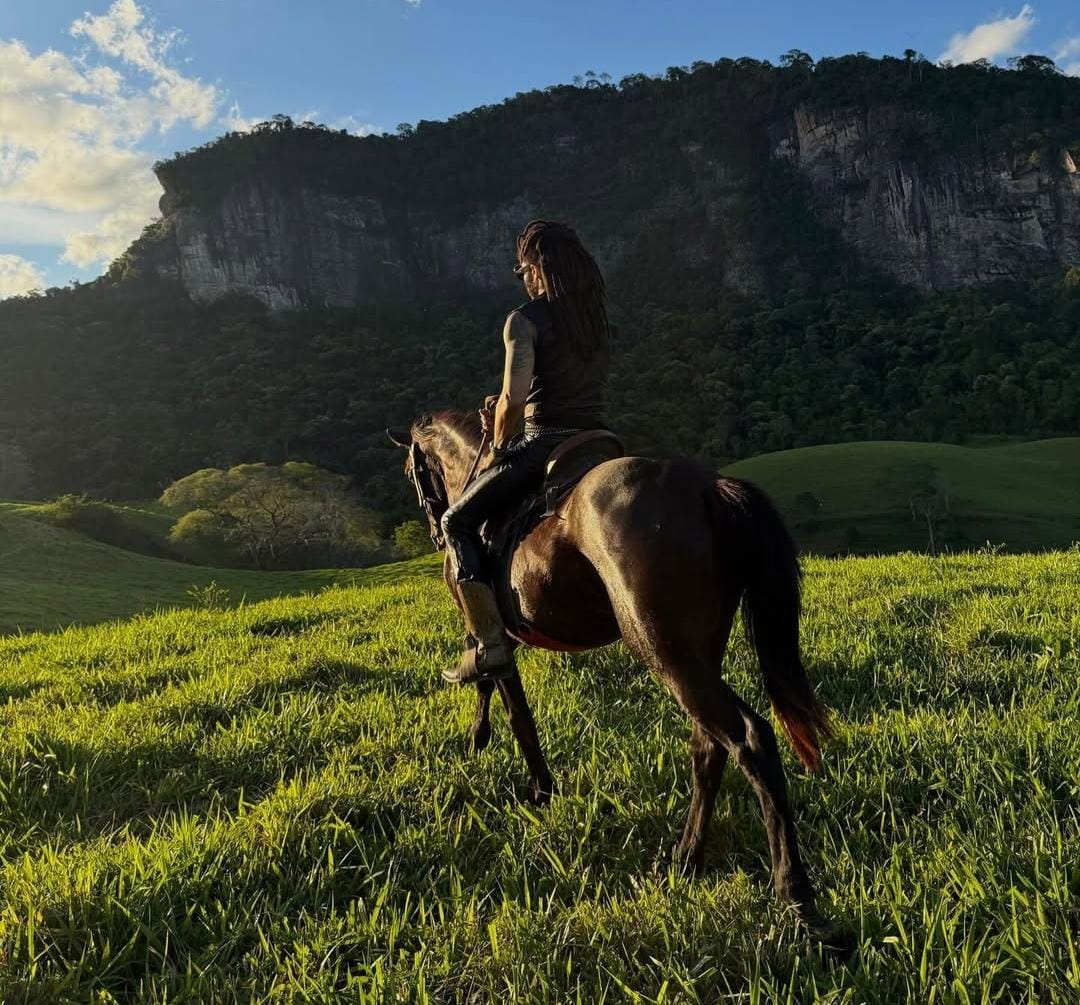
point(276, 804)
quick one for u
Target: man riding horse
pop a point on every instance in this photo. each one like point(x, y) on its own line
point(554, 378)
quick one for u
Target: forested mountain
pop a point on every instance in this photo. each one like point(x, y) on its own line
point(856, 249)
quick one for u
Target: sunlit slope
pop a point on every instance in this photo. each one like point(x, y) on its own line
point(277, 804)
point(1025, 495)
point(51, 577)
point(140, 526)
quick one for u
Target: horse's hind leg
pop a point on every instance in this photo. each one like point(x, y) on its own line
point(750, 740)
point(708, 758)
point(691, 671)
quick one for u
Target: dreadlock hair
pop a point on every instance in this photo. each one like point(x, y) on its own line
point(573, 284)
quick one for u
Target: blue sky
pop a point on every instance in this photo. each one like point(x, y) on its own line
point(95, 90)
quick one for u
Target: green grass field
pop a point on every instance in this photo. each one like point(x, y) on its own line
point(1024, 495)
point(51, 577)
point(276, 804)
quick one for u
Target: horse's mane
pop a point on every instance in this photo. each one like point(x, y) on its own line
point(465, 424)
point(436, 429)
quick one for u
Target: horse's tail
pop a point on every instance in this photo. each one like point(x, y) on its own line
point(771, 607)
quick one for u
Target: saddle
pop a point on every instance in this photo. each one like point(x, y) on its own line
point(569, 462)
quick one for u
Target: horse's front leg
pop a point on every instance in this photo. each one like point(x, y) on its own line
point(480, 731)
point(524, 727)
point(481, 727)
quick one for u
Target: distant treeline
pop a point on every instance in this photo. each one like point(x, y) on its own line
point(118, 391)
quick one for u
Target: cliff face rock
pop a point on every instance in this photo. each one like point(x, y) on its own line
point(478, 253)
point(287, 249)
point(316, 248)
point(936, 221)
point(949, 225)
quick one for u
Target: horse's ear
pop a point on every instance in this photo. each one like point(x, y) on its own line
point(400, 436)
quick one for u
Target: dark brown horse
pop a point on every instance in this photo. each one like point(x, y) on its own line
point(660, 553)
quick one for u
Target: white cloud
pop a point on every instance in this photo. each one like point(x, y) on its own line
point(1070, 47)
point(39, 225)
point(123, 34)
point(74, 132)
point(990, 39)
point(352, 124)
point(17, 275)
point(112, 233)
point(1069, 50)
point(236, 121)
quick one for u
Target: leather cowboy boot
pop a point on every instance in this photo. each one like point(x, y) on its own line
point(492, 658)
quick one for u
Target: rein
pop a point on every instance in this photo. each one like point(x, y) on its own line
point(431, 490)
point(476, 461)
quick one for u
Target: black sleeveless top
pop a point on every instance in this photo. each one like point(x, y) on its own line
point(566, 390)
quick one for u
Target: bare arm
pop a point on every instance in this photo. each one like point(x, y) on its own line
point(519, 336)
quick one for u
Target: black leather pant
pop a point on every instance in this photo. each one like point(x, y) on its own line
point(493, 493)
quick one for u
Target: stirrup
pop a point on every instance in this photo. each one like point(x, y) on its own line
point(468, 672)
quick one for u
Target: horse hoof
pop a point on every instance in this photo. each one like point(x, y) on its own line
point(688, 863)
point(539, 795)
point(835, 940)
point(481, 737)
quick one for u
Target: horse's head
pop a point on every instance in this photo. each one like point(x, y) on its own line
point(424, 472)
point(436, 462)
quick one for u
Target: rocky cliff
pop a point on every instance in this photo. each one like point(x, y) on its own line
point(949, 224)
point(309, 247)
point(739, 175)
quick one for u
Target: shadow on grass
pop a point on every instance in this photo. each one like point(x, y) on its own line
point(86, 791)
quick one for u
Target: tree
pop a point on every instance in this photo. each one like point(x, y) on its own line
point(1044, 66)
point(293, 514)
point(412, 539)
point(915, 58)
point(797, 59)
point(927, 493)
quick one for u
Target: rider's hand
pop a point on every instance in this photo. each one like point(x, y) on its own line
point(487, 413)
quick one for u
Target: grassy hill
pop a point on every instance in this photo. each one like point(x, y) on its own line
point(141, 526)
point(275, 804)
point(1025, 495)
point(50, 576)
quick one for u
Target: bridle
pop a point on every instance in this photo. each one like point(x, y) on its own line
point(431, 488)
point(430, 493)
